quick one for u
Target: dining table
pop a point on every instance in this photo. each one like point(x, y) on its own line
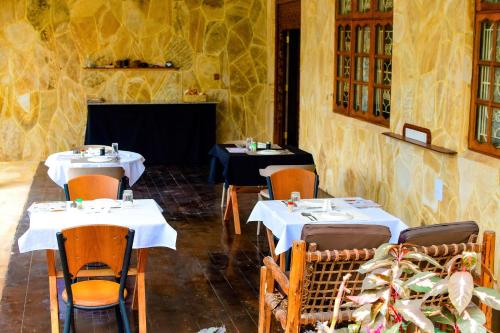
point(238, 170)
point(59, 164)
point(144, 216)
point(286, 224)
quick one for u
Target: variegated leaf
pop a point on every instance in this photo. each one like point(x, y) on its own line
point(469, 260)
point(354, 328)
point(374, 264)
point(409, 265)
point(418, 256)
point(401, 289)
point(410, 310)
point(460, 289)
point(364, 298)
point(488, 296)
point(421, 282)
point(362, 314)
point(383, 250)
point(440, 287)
point(393, 329)
point(441, 316)
point(376, 279)
point(472, 320)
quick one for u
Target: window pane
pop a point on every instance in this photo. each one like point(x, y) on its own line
point(364, 98)
point(377, 105)
point(484, 83)
point(486, 43)
point(344, 39)
point(344, 7)
point(338, 96)
point(346, 94)
point(366, 40)
point(491, 1)
point(482, 124)
point(385, 5)
point(388, 40)
point(347, 67)
point(386, 104)
point(357, 93)
point(364, 6)
point(340, 65)
point(495, 128)
point(497, 55)
point(496, 90)
point(362, 69)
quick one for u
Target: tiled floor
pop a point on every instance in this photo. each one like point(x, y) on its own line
point(15, 182)
point(211, 280)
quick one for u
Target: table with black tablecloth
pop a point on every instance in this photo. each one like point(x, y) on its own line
point(164, 133)
point(240, 172)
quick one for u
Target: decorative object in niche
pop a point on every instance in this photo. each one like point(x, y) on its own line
point(193, 95)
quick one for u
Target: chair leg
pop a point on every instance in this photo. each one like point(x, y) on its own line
point(119, 319)
point(123, 311)
point(223, 195)
point(69, 320)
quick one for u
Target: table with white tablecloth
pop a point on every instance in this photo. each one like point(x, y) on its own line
point(59, 163)
point(144, 216)
point(287, 226)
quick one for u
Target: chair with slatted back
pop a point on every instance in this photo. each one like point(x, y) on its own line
point(115, 172)
point(90, 187)
point(308, 295)
point(105, 244)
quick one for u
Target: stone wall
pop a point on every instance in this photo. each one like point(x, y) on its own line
point(432, 68)
point(44, 45)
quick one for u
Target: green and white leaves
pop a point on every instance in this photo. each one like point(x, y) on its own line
point(472, 320)
point(460, 287)
point(488, 296)
point(410, 310)
point(421, 282)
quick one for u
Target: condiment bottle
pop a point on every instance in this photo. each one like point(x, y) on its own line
point(290, 205)
point(79, 203)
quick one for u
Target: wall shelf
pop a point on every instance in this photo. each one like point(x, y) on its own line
point(429, 146)
point(131, 68)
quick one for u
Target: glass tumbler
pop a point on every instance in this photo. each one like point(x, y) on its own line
point(249, 143)
point(128, 198)
point(114, 145)
point(295, 197)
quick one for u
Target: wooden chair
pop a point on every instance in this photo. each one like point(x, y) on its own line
point(115, 172)
point(90, 187)
point(281, 184)
point(268, 171)
point(308, 296)
point(106, 244)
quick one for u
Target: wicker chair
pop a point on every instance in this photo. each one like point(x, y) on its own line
point(308, 295)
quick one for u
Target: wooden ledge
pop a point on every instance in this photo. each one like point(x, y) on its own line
point(429, 146)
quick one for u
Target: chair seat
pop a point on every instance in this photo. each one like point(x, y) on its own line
point(94, 293)
point(279, 305)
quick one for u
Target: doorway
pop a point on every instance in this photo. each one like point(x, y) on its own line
point(287, 79)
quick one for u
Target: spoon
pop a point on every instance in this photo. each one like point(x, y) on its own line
point(309, 215)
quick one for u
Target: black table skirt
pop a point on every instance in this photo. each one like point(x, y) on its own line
point(243, 170)
point(162, 133)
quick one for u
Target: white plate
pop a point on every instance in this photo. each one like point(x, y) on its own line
point(268, 152)
point(100, 159)
point(332, 217)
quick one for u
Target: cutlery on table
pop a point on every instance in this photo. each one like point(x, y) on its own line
point(309, 216)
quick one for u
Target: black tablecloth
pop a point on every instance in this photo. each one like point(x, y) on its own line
point(162, 133)
point(242, 169)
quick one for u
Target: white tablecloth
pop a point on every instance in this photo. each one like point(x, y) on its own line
point(287, 226)
point(151, 228)
point(59, 163)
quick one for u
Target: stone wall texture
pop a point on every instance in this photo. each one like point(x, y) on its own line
point(431, 87)
point(44, 45)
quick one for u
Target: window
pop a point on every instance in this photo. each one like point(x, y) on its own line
point(363, 59)
point(484, 127)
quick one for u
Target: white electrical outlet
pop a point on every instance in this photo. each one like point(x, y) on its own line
point(438, 189)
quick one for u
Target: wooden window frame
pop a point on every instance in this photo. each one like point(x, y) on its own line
point(372, 18)
point(484, 12)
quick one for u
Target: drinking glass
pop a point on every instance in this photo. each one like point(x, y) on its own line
point(128, 198)
point(249, 143)
point(295, 197)
point(114, 145)
point(327, 205)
